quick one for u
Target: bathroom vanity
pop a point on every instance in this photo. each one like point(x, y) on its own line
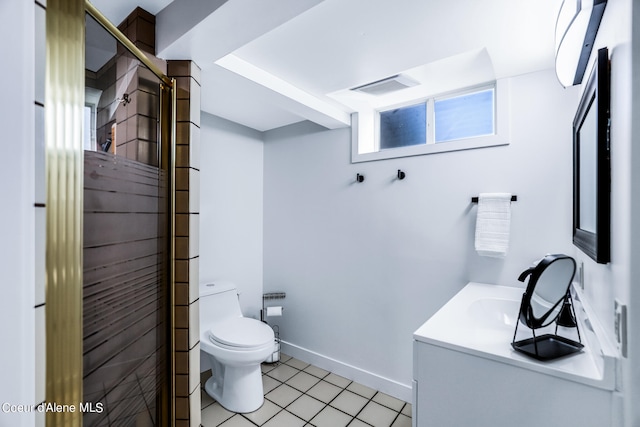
point(467, 374)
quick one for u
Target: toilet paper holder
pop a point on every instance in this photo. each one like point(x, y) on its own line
point(270, 296)
point(275, 356)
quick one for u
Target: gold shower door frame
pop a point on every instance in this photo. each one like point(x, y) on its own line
point(64, 103)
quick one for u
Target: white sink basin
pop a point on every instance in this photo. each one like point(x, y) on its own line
point(494, 313)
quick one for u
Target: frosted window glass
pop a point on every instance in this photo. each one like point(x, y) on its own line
point(403, 127)
point(465, 116)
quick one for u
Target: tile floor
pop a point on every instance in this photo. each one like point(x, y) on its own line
point(298, 394)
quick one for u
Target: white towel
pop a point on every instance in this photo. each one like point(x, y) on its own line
point(493, 224)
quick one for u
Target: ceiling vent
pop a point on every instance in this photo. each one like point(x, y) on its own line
point(387, 85)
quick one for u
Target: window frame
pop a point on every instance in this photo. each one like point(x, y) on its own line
point(366, 126)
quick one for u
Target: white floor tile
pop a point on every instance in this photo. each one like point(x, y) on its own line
point(334, 379)
point(406, 410)
point(284, 357)
point(377, 415)
point(237, 421)
point(266, 367)
point(388, 401)
point(297, 394)
point(283, 395)
point(285, 419)
point(306, 407)
point(358, 423)
point(324, 391)
point(262, 415)
point(282, 372)
point(298, 364)
point(269, 384)
point(214, 415)
point(302, 381)
point(349, 402)
point(361, 390)
point(316, 372)
point(402, 421)
point(331, 417)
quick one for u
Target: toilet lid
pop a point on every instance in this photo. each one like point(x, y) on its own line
point(241, 332)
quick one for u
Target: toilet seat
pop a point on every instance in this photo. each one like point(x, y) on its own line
point(241, 333)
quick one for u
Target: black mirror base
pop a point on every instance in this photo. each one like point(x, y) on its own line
point(547, 347)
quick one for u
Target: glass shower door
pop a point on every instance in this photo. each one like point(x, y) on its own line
point(126, 238)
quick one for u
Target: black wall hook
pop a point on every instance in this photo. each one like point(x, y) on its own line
point(401, 175)
point(359, 178)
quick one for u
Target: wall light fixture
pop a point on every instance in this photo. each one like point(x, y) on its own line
point(576, 29)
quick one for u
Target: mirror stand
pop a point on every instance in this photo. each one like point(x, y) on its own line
point(550, 346)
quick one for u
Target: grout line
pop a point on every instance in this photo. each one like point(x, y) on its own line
point(242, 416)
point(362, 409)
point(353, 417)
point(284, 408)
point(394, 420)
point(304, 393)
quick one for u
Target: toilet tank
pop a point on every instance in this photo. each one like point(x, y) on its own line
point(218, 300)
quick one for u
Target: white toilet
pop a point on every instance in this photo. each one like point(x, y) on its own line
point(234, 346)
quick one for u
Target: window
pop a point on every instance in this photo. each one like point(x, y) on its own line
point(469, 118)
point(402, 127)
point(464, 116)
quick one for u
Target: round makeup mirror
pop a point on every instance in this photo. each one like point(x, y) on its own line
point(546, 296)
point(548, 284)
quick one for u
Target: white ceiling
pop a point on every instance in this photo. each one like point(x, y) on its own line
point(118, 10)
point(278, 60)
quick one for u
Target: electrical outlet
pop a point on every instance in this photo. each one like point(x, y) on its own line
point(620, 327)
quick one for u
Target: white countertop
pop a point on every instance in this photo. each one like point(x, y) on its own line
point(481, 320)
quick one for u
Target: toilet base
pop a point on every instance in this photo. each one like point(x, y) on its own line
point(239, 389)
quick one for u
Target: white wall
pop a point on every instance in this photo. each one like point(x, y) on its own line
point(231, 165)
point(364, 265)
point(17, 252)
point(632, 366)
point(604, 283)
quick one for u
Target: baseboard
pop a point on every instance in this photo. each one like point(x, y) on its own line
point(366, 378)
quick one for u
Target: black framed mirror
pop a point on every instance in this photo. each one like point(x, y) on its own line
point(547, 300)
point(592, 165)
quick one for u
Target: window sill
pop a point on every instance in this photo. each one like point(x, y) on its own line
point(420, 150)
